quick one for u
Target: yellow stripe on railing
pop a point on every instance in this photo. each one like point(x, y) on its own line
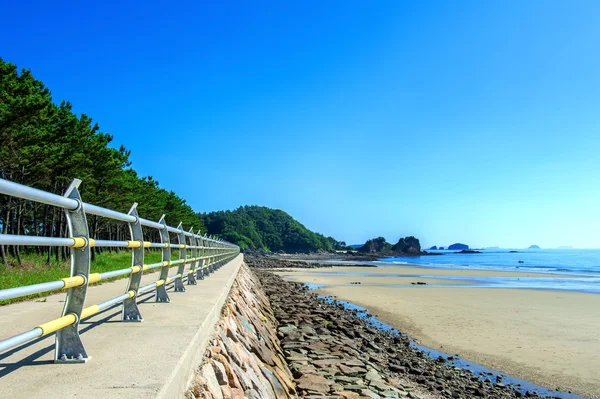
point(136, 269)
point(145, 267)
point(89, 311)
point(131, 293)
point(134, 244)
point(94, 278)
point(57, 324)
point(160, 282)
point(78, 242)
point(166, 263)
point(71, 282)
point(147, 244)
point(92, 242)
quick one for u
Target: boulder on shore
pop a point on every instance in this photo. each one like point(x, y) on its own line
point(408, 245)
point(375, 245)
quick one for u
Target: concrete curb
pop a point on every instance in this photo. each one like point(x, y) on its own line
point(182, 374)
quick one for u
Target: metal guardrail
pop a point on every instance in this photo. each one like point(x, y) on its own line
point(207, 254)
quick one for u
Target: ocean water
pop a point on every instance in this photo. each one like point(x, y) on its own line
point(583, 262)
point(577, 269)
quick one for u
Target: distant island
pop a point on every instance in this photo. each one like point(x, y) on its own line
point(433, 248)
point(534, 247)
point(458, 247)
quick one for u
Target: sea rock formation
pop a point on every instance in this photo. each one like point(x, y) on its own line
point(534, 247)
point(433, 248)
point(375, 245)
point(458, 247)
point(408, 245)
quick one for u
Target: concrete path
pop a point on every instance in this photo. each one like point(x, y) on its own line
point(151, 359)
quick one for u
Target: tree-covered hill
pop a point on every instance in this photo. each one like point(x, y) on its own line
point(259, 227)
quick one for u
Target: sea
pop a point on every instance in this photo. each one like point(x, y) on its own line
point(572, 269)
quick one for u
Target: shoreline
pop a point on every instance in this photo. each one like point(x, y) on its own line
point(547, 337)
point(330, 347)
point(489, 269)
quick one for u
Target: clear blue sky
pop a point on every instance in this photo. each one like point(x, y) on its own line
point(454, 121)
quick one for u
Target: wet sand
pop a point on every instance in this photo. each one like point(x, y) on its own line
point(551, 338)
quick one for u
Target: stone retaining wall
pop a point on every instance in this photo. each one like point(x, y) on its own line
point(244, 359)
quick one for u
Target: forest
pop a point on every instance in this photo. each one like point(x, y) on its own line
point(46, 145)
point(262, 228)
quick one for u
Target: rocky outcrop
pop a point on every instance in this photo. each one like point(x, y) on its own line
point(375, 245)
point(458, 247)
point(433, 248)
point(245, 359)
point(408, 245)
point(262, 262)
point(534, 247)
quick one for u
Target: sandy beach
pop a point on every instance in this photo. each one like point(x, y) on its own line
point(547, 337)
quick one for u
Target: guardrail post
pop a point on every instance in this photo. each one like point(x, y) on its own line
point(209, 265)
point(69, 347)
point(201, 254)
point(193, 244)
point(161, 291)
point(179, 287)
point(130, 308)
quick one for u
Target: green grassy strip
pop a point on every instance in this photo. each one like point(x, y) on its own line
point(35, 270)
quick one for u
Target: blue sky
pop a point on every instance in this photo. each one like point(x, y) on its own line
point(463, 121)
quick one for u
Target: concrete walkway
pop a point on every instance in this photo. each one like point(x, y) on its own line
point(151, 359)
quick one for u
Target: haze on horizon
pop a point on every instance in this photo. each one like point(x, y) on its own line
point(472, 122)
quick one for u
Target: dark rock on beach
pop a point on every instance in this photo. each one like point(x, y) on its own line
point(408, 245)
point(263, 262)
point(376, 245)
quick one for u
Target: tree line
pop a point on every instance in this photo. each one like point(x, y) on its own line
point(46, 145)
point(262, 228)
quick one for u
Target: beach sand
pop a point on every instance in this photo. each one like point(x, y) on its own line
point(551, 338)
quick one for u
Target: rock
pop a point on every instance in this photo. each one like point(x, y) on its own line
point(349, 395)
point(375, 245)
point(212, 383)
point(457, 247)
point(369, 394)
point(220, 373)
point(315, 383)
point(407, 245)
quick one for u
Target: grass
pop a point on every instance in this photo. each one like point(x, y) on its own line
point(35, 270)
